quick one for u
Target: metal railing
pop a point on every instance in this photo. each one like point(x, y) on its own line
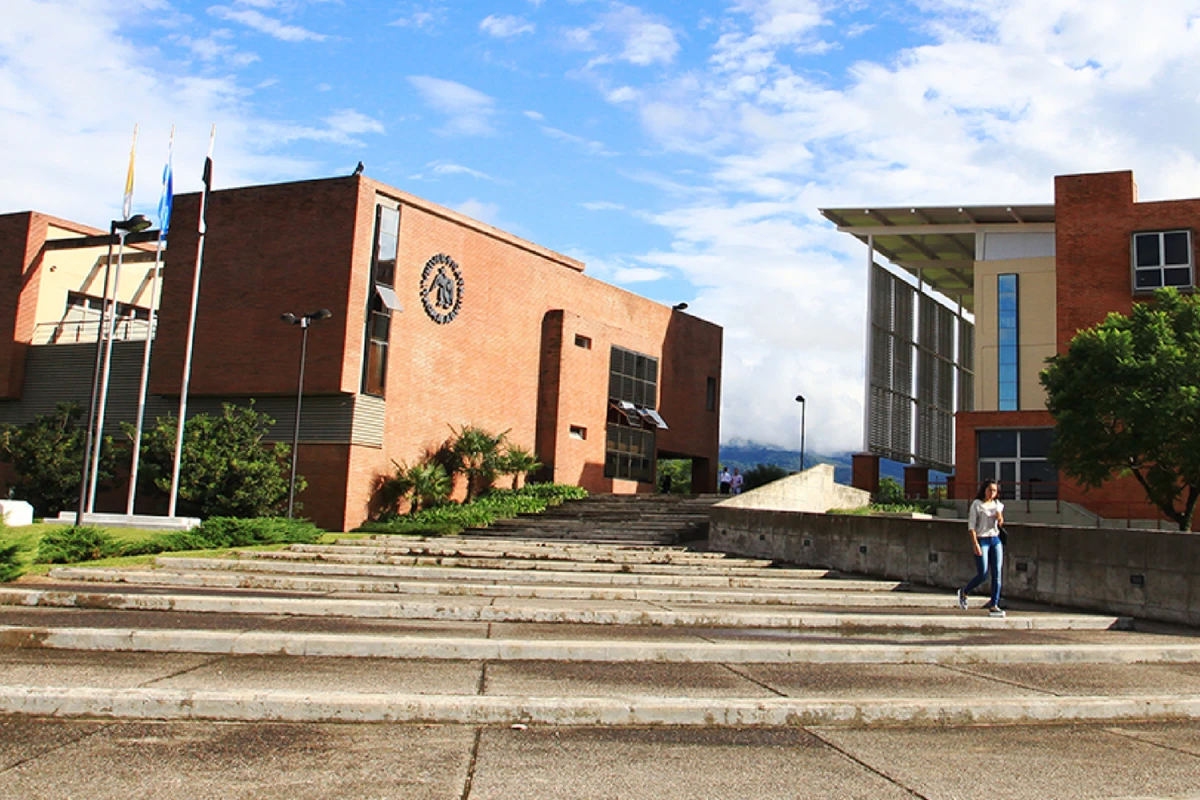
point(74, 331)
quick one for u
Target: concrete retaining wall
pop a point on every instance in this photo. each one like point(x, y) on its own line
point(1147, 574)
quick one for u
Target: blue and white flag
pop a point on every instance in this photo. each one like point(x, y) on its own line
point(168, 191)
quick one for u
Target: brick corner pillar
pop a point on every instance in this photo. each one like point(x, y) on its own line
point(864, 472)
point(916, 482)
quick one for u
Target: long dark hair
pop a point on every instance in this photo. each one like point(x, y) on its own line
point(982, 493)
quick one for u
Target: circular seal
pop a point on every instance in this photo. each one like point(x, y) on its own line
point(441, 288)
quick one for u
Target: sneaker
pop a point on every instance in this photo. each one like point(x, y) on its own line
point(996, 611)
point(962, 599)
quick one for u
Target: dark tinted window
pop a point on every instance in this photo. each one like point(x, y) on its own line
point(997, 444)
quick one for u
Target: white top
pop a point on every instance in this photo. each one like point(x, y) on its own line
point(984, 518)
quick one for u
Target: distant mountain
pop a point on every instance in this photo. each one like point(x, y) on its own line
point(744, 455)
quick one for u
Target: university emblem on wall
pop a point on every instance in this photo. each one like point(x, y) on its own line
point(441, 288)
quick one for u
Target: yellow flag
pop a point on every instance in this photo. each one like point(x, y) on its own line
point(128, 206)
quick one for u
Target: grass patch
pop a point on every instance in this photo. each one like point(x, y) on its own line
point(123, 547)
point(915, 507)
point(452, 518)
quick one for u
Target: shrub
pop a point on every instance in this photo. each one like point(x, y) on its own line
point(675, 475)
point(68, 545)
point(47, 458)
point(428, 483)
point(9, 568)
point(227, 469)
point(890, 491)
point(217, 532)
point(496, 504)
point(476, 454)
point(761, 475)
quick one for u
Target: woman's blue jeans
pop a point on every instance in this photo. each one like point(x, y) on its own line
point(988, 562)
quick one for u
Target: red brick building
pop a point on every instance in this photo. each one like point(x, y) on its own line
point(1022, 280)
point(438, 321)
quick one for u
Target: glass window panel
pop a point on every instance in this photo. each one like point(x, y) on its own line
point(1039, 480)
point(627, 389)
point(639, 367)
point(1008, 375)
point(381, 326)
point(1146, 250)
point(614, 386)
point(610, 465)
point(1149, 278)
point(630, 365)
point(995, 444)
point(1008, 479)
point(1007, 319)
point(1008, 337)
point(1036, 443)
point(1175, 248)
point(987, 471)
point(1177, 276)
point(652, 370)
point(375, 378)
point(615, 359)
point(651, 396)
point(1006, 282)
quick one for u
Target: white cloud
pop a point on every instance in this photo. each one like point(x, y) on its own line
point(602, 205)
point(64, 143)
point(535, 115)
point(468, 112)
point(440, 168)
point(638, 275)
point(506, 26)
point(1001, 98)
point(350, 122)
point(264, 24)
point(591, 147)
point(477, 209)
point(420, 17)
point(625, 33)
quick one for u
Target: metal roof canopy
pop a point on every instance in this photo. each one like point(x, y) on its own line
point(937, 243)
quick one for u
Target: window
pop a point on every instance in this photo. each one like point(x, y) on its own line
point(1162, 259)
point(578, 432)
point(381, 300)
point(710, 395)
point(1017, 459)
point(91, 303)
point(583, 341)
point(632, 418)
point(1008, 339)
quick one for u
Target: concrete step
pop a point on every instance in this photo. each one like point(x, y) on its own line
point(248, 562)
point(357, 555)
point(643, 710)
point(396, 545)
point(475, 609)
point(852, 596)
point(606, 651)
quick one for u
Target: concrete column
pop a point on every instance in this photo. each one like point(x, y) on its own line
point(916, 482)
point(864, 472)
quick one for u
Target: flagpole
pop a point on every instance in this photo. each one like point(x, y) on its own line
point(111, 319)
point(91, 424)
point(164, 224)
point(191, 334)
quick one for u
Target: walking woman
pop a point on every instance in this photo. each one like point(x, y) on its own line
point(984, 521)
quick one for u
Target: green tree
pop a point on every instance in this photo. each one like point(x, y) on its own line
point(47, 458)
point(518, 462)
point(477, 455)
point(227, 469)
point(428, 483)
point(890, 491)
point(1125, 397)
point(675, 475)
point(761, 475)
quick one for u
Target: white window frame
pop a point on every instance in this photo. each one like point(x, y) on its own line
point(1161, 266)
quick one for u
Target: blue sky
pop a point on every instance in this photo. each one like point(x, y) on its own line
point(680, 148)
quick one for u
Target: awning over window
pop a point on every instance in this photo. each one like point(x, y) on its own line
point(638, 415)
point(653, 417)
point(388, 296)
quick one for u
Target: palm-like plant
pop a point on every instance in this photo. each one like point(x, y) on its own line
point(477, 454)
point(518, 462)
point(428, 483)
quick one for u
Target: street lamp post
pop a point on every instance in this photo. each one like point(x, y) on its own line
point(800, 400)
point(304, 322)
point(117, 230)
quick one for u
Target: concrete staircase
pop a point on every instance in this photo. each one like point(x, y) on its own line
point(558, 631)
point(614, 518)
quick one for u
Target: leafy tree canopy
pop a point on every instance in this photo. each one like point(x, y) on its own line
point(227, 469)
point(1126, 400)
point(47, 457)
